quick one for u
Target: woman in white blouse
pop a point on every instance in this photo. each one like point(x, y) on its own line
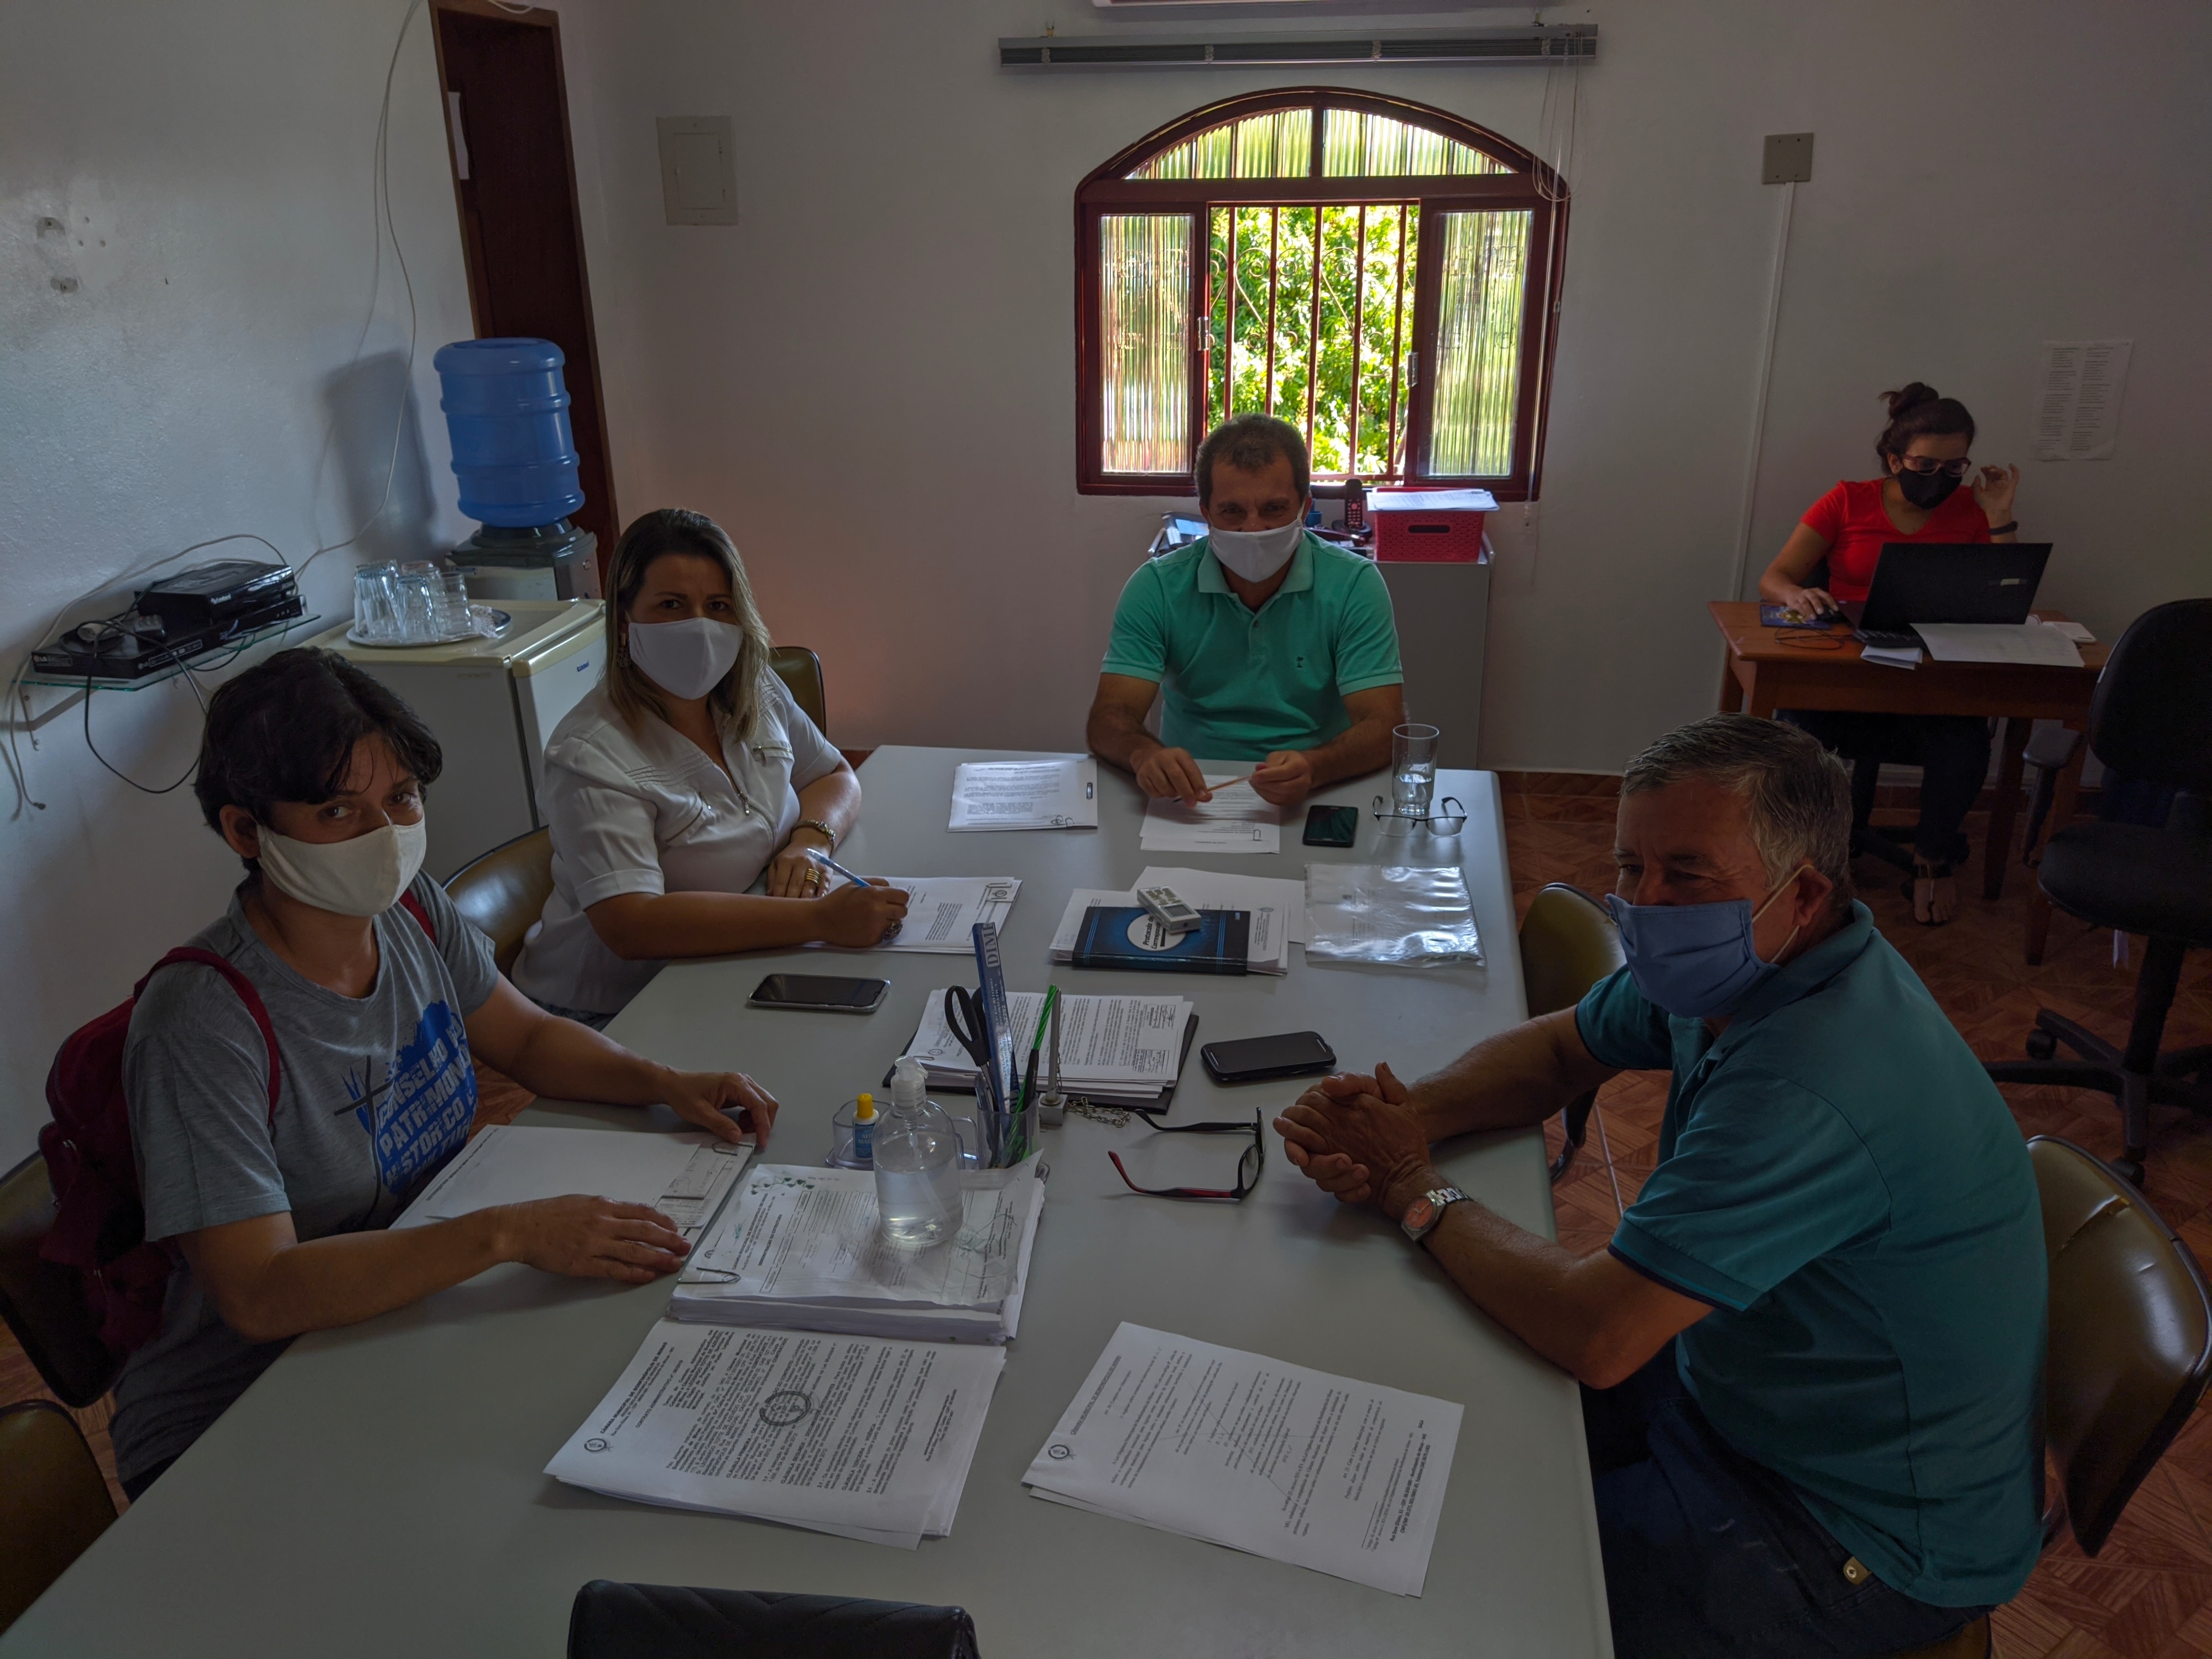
point(687, 773)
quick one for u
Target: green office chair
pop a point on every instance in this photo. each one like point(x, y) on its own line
point(800, 670)
point(39, 1301)
point(53, 1501)
point(1568, 943)
point(2131, 1350)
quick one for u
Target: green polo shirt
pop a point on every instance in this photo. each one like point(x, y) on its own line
point(1241, 684)
point(1840, 1179)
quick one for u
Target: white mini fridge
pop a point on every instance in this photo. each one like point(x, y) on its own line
point(491, 704)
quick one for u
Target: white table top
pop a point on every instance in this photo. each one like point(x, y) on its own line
point(379, 1490)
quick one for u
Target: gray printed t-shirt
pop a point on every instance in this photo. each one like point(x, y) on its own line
point(375, 1091)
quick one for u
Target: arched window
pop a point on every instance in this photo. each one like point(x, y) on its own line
point(1381, 274)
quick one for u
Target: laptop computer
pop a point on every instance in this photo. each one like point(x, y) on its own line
point(1946, 582)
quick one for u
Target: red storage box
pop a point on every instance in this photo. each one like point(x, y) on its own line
point(1429, 526)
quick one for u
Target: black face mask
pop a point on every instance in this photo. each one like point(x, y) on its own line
point(1926, 490)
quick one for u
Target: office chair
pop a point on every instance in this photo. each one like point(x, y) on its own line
point(40, 1302)
point(800, 670)
point(53, 1501)
point(2151, 720)
point(667, 1621)
point(2131, 1350)
point(1568, 943)
point(503, 892)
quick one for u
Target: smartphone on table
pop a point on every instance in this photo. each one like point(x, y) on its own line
point(843, 996)
point(1331, 826)
point(1253, 1060)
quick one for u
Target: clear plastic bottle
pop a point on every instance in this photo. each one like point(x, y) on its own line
point(917, 1159)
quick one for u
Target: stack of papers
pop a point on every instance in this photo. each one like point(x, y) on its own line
point(1268, 947)
point(1347, 1478)
point(2035, 644)
point(1126, 1050)
point(1263, 896)
point(865, 1439)
point(684, 1176)
point(1235, 821)
point(1904, 656)
point(942, 911)
point(800, 1250)
point(1046, 794)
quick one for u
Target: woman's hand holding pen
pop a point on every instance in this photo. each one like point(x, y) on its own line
point(860, 916)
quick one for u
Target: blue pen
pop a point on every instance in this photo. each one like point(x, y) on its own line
point(837, 869)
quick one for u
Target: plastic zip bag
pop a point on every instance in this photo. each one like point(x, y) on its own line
point(1392, 913)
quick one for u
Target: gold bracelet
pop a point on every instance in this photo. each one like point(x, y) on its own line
point(817, 824)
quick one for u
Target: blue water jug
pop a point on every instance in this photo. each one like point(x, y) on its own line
point(507, 409)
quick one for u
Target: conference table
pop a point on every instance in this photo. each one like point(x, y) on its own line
point(379, 1490)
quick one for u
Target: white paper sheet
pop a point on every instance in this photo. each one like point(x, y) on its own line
point(864, 1438)
point(2072, 631)
point(1214, 889)
point(2035, 644)
point(1266, 946)
point(1048, 794)
point(2078, 395)
point(1902, 657)
point(1347, 1478)
point(942, 911)
point(685, 1176)
point(1102, 1040)
point(1235, 821)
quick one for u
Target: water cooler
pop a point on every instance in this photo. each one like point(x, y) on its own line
point(507, 409)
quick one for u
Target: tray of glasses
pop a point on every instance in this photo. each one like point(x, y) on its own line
point(488, 623)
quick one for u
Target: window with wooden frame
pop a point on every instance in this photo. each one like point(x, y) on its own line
point(1383, 274)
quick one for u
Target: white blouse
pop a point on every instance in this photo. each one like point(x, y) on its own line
point(648, 813)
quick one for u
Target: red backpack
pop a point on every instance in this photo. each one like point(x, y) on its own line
point(100, 1224)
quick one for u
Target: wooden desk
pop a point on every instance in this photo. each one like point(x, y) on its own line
point(1772, 668)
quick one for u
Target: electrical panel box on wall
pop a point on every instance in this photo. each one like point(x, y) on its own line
point(1789, 159)
point(698, 170)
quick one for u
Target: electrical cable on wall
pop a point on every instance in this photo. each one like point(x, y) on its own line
point(18, 693)
point(1765, 381)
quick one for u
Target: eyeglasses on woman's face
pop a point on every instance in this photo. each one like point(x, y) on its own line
point(1928, 467)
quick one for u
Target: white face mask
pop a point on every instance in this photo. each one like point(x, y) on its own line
point(686, 658)
point(1256, 555)
point(363, 876)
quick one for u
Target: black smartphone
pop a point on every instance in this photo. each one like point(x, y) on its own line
point(1331, 826)
point(1250, 1060)
point(843, 996)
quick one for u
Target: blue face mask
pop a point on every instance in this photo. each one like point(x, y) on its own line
point(1695, 961)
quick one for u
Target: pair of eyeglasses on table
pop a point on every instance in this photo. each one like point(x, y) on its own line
point(1249, 1166)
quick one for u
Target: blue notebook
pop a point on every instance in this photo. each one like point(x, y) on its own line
point(1219, 945)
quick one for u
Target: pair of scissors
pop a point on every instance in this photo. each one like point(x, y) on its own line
point(964, 1018)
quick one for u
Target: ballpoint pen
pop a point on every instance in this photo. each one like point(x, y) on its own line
point(837, 869)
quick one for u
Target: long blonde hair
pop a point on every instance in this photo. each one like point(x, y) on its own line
point(736, 700)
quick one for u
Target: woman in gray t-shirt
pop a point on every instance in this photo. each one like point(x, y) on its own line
point(379, 992)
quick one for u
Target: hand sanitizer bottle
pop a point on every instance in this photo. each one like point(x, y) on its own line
point(917, 1159)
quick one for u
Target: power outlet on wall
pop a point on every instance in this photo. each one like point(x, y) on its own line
point(1789, 159)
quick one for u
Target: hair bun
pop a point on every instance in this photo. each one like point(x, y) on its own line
point(1909, 397)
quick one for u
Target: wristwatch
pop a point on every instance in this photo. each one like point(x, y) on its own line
point(817, 824)
point(1424, 1212)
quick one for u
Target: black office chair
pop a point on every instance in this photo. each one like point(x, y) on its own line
point(612, 1620)
point(2150, 720)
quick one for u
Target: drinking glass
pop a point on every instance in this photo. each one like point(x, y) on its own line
point(452, 602)
point(376, 617)
point(420, 596)
point(1413, 770)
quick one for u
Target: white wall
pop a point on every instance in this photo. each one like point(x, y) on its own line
point(212, 163)
point(869, 379)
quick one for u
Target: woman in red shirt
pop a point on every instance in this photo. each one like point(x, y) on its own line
point(1924, 450)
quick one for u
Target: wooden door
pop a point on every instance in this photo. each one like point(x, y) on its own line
point(514, 178)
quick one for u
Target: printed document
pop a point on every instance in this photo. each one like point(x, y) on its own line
point(685, 1176)
point(1263, 896)
point(865, 1439)
point(801, 1242)
point(2035, 644)
point(1045, 794)
point(1127, 1041)
point(1235, 821)
point(942, 911)
point(1347, 1478)
point(1266, 948)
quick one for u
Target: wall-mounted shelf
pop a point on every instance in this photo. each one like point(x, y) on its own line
point(215, 656)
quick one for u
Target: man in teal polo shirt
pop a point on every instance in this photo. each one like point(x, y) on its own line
point(1811, 1357)
point(1266, 644)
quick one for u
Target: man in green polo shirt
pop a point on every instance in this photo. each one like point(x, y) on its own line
point(1811, 1357)
point(1264, 643)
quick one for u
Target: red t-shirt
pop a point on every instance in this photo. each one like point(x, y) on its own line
point(1851, 519)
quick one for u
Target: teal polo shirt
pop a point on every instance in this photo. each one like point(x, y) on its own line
point(1840, 1180)
point(1239, 683)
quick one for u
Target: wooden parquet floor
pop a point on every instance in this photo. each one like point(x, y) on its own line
point(2149, 1595)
